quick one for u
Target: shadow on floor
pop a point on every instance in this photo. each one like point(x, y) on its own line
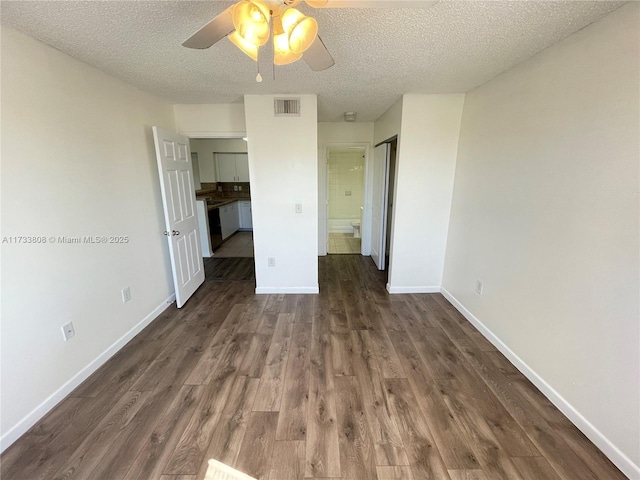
point(229, 269)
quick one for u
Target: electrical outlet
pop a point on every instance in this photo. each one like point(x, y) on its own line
point(240, 187)
point(68, 331)
point(479, 287)
point(235, 188)
point(126, 294)
point(271, 261)
point(298, 208)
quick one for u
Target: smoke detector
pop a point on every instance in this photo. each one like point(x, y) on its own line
point(349, 116)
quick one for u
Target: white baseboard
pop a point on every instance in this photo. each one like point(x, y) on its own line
point(293, 290)
point(393, 290)
point(15, 432)
point(624, 463)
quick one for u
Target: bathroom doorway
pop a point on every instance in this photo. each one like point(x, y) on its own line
point(345, 198)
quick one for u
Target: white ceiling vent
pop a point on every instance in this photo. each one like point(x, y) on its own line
point(286, 107)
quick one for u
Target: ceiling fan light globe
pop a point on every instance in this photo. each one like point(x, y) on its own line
point(248, 48)
point(316, 3)
point(300, 29)
point(282, 55)
point(251, 21)
point(280, 60)
point(277, 25)
point(303, 35)
point(289, 18)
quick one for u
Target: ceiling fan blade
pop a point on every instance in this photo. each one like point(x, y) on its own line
point(215, 30)
point(317, 56)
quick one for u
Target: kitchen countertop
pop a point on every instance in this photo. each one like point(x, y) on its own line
point(217, 202)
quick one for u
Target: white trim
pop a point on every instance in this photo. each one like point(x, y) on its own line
point(208, 134)
point(624, 463)
point(294, 290)
point(392, 290)
point(19, 429)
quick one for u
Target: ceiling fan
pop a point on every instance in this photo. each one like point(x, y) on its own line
point(249, 24)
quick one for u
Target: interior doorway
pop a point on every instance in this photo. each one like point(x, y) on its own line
point(223, 184)
point(345, 198)
point(393, 147)
point(383, 193)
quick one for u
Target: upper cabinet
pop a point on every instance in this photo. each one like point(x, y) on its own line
point(225, 167)
point(232, 167)
point(206, 149)
point(242, 167)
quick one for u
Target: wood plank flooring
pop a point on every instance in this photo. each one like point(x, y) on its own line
point(349, 384)
point(224, 269)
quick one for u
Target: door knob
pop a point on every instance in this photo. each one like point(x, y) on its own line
point(175, 232)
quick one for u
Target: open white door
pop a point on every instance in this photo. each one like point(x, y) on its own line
point(379, 204)
point(178, 198)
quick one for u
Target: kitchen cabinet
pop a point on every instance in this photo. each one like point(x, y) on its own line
point(244, 212)
point(226, 167)
point(232, 167)
point(229, 220)
point(242, 167)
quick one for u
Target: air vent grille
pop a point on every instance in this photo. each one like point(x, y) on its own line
point(286, 107)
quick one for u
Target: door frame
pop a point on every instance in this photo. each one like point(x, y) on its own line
point(389, 229)
point(323, 194)
point(217, 136)
point(380, 189)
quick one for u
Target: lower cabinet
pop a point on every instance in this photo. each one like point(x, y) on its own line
point(244, 211)
point(229, 221)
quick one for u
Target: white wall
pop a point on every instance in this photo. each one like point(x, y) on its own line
point(385, 128)
point(196, 171)
point(346, 184)
point(345, 132)
point(220, 120)
point(388, 125)
point(78, 159)
point(424, 186)
point(545, 213)
point(283, 165)
point(333, 133)
point(206, 147)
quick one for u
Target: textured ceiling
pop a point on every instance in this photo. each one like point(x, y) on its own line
point(380, 53)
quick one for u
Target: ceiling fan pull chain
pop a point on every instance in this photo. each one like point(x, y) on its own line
point(273, 45)
point(258, 77)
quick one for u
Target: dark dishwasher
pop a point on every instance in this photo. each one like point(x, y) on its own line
point(215, 231)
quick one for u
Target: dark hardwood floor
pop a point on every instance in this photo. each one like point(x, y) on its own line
point(224, 269)
point(352, 383)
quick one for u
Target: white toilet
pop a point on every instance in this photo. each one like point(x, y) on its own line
point(356, 225)
point(356, 229)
